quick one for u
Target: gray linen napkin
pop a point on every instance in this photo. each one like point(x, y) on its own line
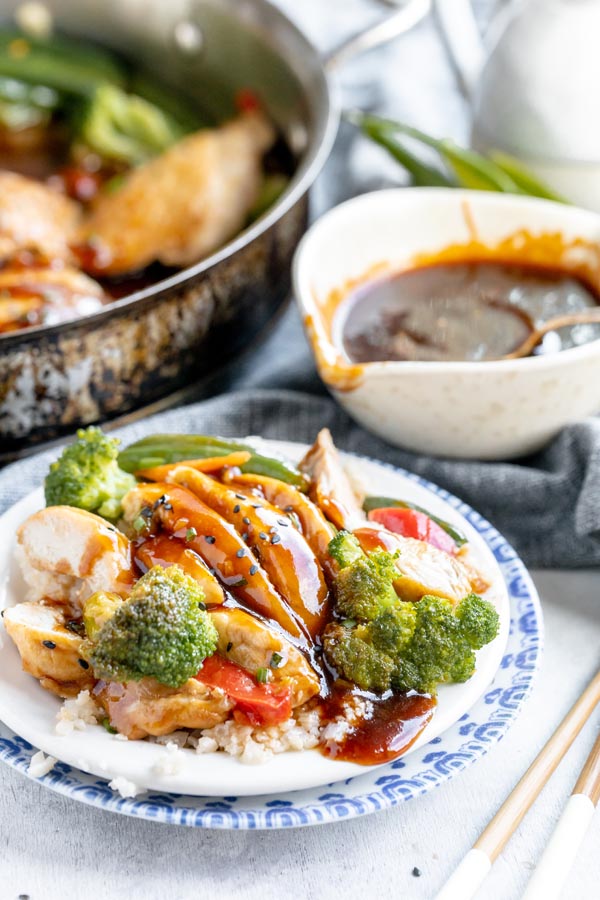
point(548, 506)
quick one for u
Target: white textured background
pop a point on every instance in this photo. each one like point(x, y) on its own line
point(54, 849)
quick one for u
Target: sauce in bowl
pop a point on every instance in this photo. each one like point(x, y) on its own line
point(464, 310)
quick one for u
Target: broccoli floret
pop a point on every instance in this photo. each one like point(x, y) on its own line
point(392, 630)
point(437, 650)
point(97, 610)
point(345, 549)
point(364, 585)
point(479, 621)
point(88, 476)
point(162, 631)
point(356, 659)
point(391, 643)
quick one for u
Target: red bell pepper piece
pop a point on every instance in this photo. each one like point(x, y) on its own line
point(262, 704)
point(414, 524)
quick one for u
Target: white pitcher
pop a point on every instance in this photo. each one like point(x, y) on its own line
point(534, 86)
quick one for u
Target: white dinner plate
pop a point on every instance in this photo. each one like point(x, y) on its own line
point(31, 712)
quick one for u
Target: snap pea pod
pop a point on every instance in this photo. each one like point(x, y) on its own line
point(382, 502)
point(159, 449)
point(65, 65)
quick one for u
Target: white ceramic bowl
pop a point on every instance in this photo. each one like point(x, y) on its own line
point(485, 410)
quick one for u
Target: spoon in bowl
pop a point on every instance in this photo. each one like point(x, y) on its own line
point(532, 340)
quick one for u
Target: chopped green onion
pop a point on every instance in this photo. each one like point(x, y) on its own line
point(190, 534)
point(105, 722)
point(140, 524)
point(263, 676)
point(276, 660)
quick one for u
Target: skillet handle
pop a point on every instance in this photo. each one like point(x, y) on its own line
point(406, 17)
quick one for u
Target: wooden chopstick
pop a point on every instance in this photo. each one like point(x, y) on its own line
point(557, 859)
point(475, 866)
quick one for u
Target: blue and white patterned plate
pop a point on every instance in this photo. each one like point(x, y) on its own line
point(418, 772)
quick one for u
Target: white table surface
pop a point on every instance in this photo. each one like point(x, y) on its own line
point(52, 848)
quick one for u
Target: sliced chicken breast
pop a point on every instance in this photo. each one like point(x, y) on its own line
point(140, 708)
point(185, 203)
point(424, 568)
point(66, 554)
point(49, 651)
point(35, 217)
point(330, 487)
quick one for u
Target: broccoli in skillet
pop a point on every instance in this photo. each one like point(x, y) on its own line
point(162, 631)
point(387, 643)
point(88, 476)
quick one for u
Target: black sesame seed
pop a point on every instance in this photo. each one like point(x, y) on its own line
point(283, 522)
point(209, 538)
point(83, 663)
point(240, 496)
point(253, 570)
point(257, 506)
point(246, 520)
point(146, 512)
point(237, 508)
point(245, 536)
point(262, 536)
point(416, 872)
point(201, 605)
point(275, 539)
point(229, 646)
point(289, 509)
point(49, 644)
point(241, 552)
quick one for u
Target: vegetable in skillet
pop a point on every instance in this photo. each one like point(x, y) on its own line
point(159, 449)
point(113, 112)
point(162, 631)
point(384, 642)
point(87, 476)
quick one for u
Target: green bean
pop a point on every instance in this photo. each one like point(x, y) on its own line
point(65, 65)
point(160, 449)
point(422, 174)
point(384, 502)
point(528, 182)
point(495, 172)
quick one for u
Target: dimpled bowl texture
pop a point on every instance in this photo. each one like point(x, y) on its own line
point(479, 410)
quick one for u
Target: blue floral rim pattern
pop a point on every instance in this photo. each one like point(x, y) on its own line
point(424, 769)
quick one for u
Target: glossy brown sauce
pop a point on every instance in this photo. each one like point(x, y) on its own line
point(388, 729)
point(463, 310)
point(391, 723)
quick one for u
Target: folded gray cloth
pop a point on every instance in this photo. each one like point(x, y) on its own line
point(548, 506)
